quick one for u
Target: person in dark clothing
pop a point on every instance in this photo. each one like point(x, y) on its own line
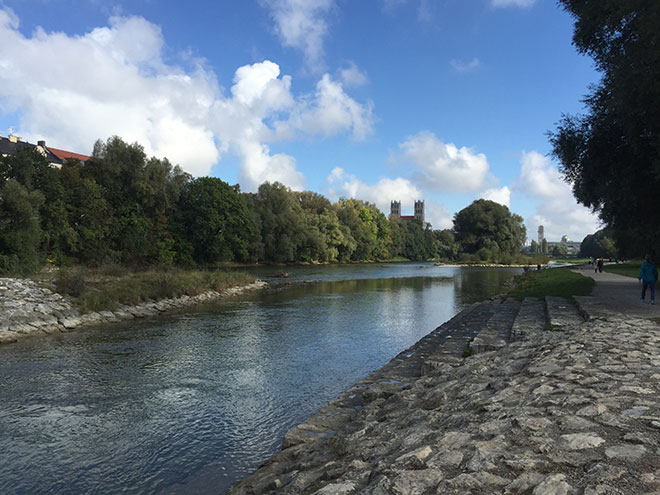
point(600, 265)
point(648, 275)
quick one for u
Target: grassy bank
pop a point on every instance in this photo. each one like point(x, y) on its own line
point(560, 282)
point(96, 289)
point(627, 269)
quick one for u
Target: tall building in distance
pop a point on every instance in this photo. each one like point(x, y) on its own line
point(541, 235)
point(395, 211)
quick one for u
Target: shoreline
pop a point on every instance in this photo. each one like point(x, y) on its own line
point(30, 309)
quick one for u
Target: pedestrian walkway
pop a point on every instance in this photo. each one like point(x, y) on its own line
point(615, 294)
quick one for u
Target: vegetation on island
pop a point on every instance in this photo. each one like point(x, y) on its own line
point(611, 153)
point(124, 208)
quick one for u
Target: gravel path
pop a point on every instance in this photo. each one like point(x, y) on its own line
point(616, 294)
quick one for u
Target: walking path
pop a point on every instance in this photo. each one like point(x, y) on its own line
point(557, 400)
point(616, 294)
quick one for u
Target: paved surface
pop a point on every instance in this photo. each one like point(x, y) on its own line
point(615, 294)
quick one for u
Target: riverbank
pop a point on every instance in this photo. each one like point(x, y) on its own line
point(556, 398)
point(29, 309)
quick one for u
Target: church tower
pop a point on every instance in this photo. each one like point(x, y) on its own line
point(395, 209)
point(419, 210)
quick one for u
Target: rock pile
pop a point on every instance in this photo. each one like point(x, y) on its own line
point(28, 309)
point(572, 409)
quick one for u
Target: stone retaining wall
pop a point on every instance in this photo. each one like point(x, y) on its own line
point(28, 309)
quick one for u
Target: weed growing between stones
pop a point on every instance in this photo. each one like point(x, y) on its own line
point(337, 446)
point(468, 351)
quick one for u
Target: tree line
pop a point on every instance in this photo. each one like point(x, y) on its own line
point(124, 207)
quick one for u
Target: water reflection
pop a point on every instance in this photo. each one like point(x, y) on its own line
point(194, 402)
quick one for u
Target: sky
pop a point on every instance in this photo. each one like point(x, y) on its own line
point(446, 101)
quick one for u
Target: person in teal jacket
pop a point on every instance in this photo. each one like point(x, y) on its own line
point(648, 274)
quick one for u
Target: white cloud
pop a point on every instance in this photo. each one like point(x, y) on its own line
point(352, 76)
point(331, 111)
point(460, 66)
point(501, 195)
point(301, 24)
point(438, 215)
point(443, 166)
point(557, 209)
point(512, 3)
point(72, 90)
point(342, 184)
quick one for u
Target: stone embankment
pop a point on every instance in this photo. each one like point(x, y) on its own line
point(555, 400)
point(28, 309)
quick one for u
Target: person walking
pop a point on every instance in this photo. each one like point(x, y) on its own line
point(599, 266)
point(648, 275)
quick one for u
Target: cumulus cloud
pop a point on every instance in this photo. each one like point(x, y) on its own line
point(301, 24)
point(72, 90)
point(443, 166)
point(352, 76)
point(557, 209)
point(343, 184)
point(330, 111)
point(461, 66)
point(501, 195)
point(512, 3)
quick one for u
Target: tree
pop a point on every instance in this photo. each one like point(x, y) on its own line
point(487, 225)
point(611, 154)
point(544, 246)
point(212, 222)
point(559, 250)
point(20, 233)
point(534, 247)
point(607, 247)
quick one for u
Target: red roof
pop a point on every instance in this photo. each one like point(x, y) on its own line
point(407, 217)
point(65, 155)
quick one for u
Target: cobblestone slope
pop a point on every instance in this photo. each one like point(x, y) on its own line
point(568, 406)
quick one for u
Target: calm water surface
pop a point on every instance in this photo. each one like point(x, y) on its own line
point(193, 402)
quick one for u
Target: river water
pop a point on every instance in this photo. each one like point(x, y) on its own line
point(192, 402)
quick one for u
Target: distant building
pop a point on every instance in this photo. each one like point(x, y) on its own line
point(541, 235)
point(571, 248)
point(56, 157)
point(395, 211)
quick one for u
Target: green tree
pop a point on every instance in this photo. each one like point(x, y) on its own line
point(490, 229)
point(559, 250)
point(611, 154)
point(534, 247)
point(20, 232)
point(607, 247)
point(142, 194)
point(212, 222)
point(544, 246)
point(282, 222)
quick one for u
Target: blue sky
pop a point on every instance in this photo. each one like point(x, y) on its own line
point(442, 100)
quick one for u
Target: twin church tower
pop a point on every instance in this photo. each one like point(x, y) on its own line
point(395, 211)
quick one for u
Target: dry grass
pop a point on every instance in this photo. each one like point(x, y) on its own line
point(96, 289)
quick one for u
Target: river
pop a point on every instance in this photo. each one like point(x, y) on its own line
point(191, 402)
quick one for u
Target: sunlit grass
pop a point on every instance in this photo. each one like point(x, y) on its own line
point(560, 282)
